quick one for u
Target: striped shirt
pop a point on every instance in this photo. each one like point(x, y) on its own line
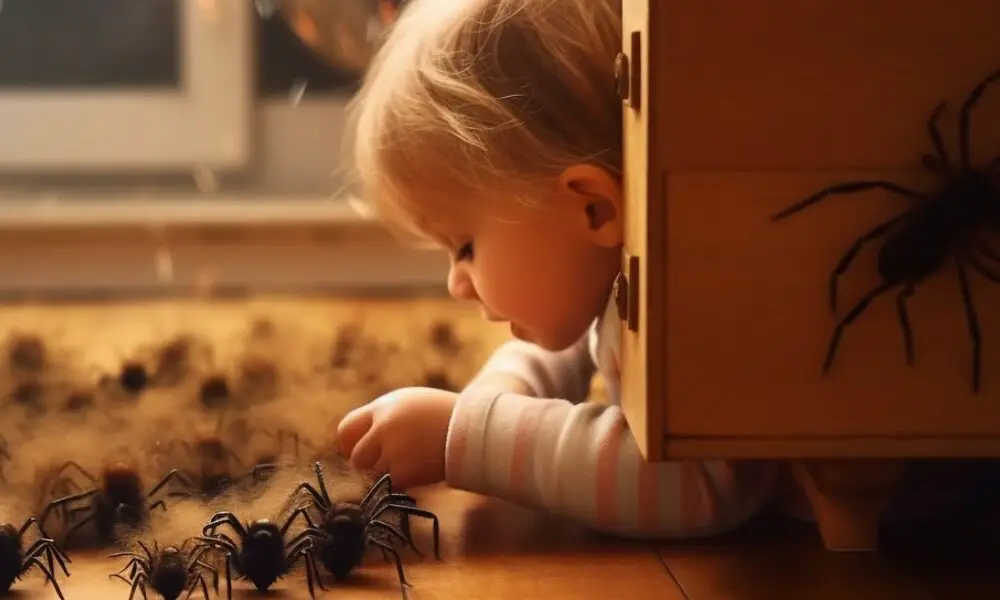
point(554, 450)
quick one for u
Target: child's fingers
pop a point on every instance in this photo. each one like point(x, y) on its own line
point(353, 427)
point(367, 452)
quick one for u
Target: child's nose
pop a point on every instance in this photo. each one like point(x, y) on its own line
point(460, 284)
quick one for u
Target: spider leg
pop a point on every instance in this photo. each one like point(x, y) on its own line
point(134, 563)
point(399, 564)
point(38, 548)
point(318, 499)
point(27, 523)
point(46, 546)
point(317, 573)
point(195, 555)
point(79, 469)
point(849, 318)
point(972, 321)
point(59, 503)
point(224, 518)
point(940, 161)
point(304, 513)
point(984, 269)
point(311, 576)
point(79, 525)
point(220, 543)
point(149, 555)
point(171, 475)
point(304, 549)
point(52, 578)
point(229, 577)
point(850, 187)
point(966, 114)
point(396, 532)
point(904, 320)
point(318, 468)
point(385, 481)
point(213, 571)
point(436, 524)
point(192, 585)
point(308, 532)
point(53, 551)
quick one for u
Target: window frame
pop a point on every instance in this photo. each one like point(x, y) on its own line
point(206, 121)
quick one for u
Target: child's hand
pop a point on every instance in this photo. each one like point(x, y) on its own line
point(401, 433)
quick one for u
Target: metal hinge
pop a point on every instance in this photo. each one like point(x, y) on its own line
point(628, 72)
point(626, 293)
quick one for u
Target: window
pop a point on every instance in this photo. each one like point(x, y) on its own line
point(209, 130)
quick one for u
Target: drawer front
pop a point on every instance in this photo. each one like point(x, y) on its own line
point(823, 84)
point(641, 290)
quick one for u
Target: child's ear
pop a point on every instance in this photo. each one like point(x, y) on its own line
point(597, 196)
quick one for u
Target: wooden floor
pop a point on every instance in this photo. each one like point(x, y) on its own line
point(495, 550)
point(492, 549)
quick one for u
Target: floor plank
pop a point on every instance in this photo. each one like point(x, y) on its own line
point(490, 549)
point(775, 559)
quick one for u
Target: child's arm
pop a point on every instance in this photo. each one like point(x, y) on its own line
point(582, 461)
point(526, 369)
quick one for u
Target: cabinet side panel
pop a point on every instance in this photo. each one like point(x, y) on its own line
point(640, 396)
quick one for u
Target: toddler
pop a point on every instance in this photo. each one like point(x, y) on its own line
point(493, 129)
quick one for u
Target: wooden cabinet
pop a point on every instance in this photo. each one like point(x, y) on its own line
point(734, 110)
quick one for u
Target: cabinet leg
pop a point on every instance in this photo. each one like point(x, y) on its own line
point(848, 497)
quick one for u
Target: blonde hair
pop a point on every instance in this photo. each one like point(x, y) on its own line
point(499, 95)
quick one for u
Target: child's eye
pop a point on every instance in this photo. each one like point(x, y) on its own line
point(464, 252)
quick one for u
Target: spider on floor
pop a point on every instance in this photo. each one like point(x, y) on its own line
point(947, 222)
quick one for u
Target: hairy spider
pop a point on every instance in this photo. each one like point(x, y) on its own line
point(169, 571)
point(116, 499)
point(345, 529)
point(15, 562)
point(944, 223)
point(262, 555)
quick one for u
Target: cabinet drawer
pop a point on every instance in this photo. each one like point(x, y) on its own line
point(744, 109)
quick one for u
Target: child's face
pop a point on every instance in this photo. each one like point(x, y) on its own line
point(538, 269)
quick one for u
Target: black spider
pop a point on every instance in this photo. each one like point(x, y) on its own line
point(262, 554)
point(15, 561)
point(946, 222)
point(116, 499)
point(345, 529)
point(169, 571)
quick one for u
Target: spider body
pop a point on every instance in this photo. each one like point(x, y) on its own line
point(117, 498)
point(345, 530)
point(262, 554)
point(945, 225)
point(133, 377)
point(169, 572)
point(15, 562)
